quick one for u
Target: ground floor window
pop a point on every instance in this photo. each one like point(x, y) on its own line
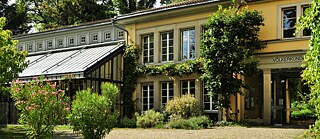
point(188, 87)
point(166, 92)
point(147, 97)
point(210, 102)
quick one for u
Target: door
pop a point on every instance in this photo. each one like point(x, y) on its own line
point(279, 100)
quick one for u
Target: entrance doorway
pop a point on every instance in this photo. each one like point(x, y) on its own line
point(281, 95)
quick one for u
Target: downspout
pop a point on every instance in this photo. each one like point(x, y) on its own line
point(114, 25)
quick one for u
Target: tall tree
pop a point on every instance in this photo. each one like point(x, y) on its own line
point(227, 48)
point(48, 14)
point(128, 6)
point(17, 21)
point(311, 73)
point(12, 62)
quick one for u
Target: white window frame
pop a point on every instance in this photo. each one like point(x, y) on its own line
point(107, 35)
point(49, 44)
point(58, 42)
point(167, 46)
point(299, 12)
point(81, 39)
point(93, 36)
point(188, 48)
point(149, 91)
point(38, 46)
point(120, 34)
point(211, 102)
point(148, 48)
point(29, 45)
point(167, 89)
point(188, 87)
point(71, 43)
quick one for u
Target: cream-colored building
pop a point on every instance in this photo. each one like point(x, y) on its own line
point(172, 34)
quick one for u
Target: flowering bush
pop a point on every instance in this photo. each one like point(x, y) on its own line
point(185, 106)
point(41, 106)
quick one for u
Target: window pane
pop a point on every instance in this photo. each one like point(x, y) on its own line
point(164, 36)
point(289, 13)
point(185, 84)
point(288, 33)
point(307, 32)
point(289, 23)
point(207, 106)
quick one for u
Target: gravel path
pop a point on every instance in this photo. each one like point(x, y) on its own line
point(214, 133)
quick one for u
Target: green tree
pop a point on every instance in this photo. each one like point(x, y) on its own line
point(94, 115)
point(41, 106)
point(128, 6)
point(17, 21)
point(48, 14)
point(227, 48)
point(311, 20)
point(12, 62)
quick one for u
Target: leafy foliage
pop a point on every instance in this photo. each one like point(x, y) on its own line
point(17, 20)
point(41, 105)
point(311, 62)
point(128, 6)
point(227, 48)
point(185, 106)
point(192, 123)
point(125, 122)
point(48, 14)
point(130, 75)
point(12, 62)
point(92, 114)
point(149, 118)
point(171, 69)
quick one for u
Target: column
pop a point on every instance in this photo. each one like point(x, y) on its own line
point(267, 96)
point(157, 95)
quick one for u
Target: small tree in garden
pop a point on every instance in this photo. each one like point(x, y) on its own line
point(41, 105)
point(227, 48)
point(92, 114)
point(185, 106)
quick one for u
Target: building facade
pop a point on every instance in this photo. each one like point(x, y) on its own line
point(171, 34)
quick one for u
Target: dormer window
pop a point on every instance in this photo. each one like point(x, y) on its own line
point(82, 39)
point(120, 34)
point(107, 36)
point(49, 44)
point(60, 43)
point(39, 46)
point(71, 41)
point(95, 37)
point(29, 46)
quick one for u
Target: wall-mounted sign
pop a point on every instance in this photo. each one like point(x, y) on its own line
point(288, 59)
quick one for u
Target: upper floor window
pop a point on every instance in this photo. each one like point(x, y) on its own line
point(71, 41)
point(289, 16)
point(49, 44)
point(120, 34)
point(82, 39)
point(167, 46)
point(166, 92)
point(289, 19)
point(188, 44)
point(29, 46)
point(95, 37)
point(147, 97)
point(39, 46)
point(60, 42)
point(107, 35)
point(20, 48)
point(148, 48)
point(188, 87)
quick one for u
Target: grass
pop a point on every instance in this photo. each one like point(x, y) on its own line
point(18, 132)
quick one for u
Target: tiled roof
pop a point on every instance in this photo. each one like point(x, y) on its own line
point(183, 4)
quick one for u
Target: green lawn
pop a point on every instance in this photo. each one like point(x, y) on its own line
point(18, 132)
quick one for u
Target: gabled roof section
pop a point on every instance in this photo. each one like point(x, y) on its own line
point(185, 4)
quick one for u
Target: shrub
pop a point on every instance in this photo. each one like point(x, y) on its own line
point(125, 122)
point(226, 123)
point(304, 111)
point(92, 114)
point(313, 132)
point(186, 106)
point(41, 106)
point(192, 123)
point(149, 118)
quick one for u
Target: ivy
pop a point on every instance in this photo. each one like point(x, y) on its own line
point(186, 68)
point(227, 48)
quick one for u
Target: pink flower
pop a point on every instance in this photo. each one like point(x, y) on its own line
point(67, 108)
point(17, 81)
point(17, 90)
point(54, 93)
point(53, 85)
point(28, 108)
point(46, 93)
